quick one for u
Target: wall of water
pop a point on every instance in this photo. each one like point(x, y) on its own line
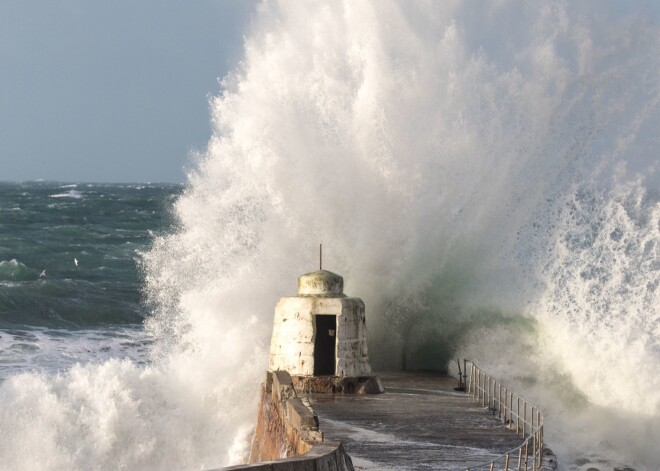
point(483, 175)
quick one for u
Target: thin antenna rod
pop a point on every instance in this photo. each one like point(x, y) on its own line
point(320, 256)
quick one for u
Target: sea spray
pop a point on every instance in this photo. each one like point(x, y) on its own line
point(435, 149)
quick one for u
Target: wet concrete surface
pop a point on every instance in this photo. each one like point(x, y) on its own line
point(419, 423)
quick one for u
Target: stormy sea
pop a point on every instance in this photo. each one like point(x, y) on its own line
point(483, 175)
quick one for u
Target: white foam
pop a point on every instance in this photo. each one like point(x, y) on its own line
point(69, 194)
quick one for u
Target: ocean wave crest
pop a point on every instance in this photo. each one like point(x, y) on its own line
point(13, 270)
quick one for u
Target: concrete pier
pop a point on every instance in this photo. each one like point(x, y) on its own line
point(419, 423)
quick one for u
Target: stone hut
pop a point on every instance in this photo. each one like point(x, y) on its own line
point(321, 332)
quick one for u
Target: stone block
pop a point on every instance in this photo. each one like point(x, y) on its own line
point(296, 331)
point(332, 306)
point(283, 386)
point(373, 385)
point(300, 416)
point(347, 330)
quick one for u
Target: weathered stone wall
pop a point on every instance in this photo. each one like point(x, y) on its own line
point(287, 436)
point(285, 426)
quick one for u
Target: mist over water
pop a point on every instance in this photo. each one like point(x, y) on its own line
point(482, 175)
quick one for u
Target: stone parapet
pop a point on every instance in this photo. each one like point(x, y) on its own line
point(324, 456)
point(286, 426)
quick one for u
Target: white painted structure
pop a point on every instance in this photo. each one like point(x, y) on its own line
point(321, 331)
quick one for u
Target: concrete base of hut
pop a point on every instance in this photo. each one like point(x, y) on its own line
point(337, 385)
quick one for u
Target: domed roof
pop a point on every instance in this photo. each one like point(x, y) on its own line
point(321, 283)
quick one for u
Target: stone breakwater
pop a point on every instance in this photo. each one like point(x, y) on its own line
point(421, 422)
point(287, 435)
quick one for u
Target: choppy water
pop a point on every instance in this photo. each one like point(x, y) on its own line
point(69, 283)
point(483, 175)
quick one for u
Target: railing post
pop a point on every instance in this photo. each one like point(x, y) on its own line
point(469, 387)
point(539, 424)
point(524, 417)
point(499, 402)
point(506, 462)
point(464, 370)
point(533, 432)
point(476, 384)
point(483, 390)
point(519, 458)
point(526, 453)
point(494, 397)
point(478, 374)
point(534, 451)
point(541, 443)
point(518, 415)
point(504, 405)
point(493, 393)
point(488, 395)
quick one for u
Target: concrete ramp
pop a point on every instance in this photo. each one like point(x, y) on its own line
point(419, 423)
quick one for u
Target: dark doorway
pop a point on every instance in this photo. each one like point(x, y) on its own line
point(324, 345)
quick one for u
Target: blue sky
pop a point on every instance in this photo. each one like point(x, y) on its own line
point(117, 90)
point(111, 91)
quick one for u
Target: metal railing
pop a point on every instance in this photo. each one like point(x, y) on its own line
point(519, 415)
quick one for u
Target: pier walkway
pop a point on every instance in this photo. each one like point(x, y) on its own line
point(419, 423)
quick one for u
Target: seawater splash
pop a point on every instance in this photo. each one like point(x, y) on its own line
point(13, 270)
point(450, 157)
point(481, 174)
